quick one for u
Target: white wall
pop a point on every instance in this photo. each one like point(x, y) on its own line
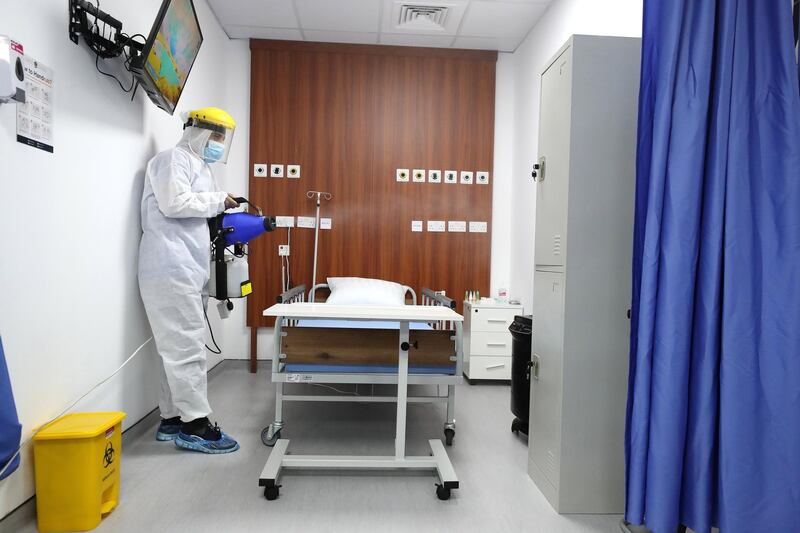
point(562, 19)
point(71, 309)
point(503, 171)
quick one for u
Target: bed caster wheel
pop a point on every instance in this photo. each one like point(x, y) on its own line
point(448, 436)
point(267, 439)
point(442, 492)
point(271, 493)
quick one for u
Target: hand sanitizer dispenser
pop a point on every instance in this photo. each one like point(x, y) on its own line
point(12, 74)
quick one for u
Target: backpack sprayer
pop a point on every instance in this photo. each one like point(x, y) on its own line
point(230, 273)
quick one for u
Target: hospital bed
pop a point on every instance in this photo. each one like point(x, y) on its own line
point(320, 343)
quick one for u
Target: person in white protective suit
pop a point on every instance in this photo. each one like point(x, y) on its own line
point(180, 194)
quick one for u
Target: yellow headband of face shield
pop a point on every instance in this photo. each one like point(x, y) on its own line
point(209, 117)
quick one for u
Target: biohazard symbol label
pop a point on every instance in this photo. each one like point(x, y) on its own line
point(108, 456)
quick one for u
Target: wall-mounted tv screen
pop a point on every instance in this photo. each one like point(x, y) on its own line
point(170, 52)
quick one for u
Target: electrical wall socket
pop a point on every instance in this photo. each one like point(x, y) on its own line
point(402, 175)
point(325, 223)
point(466, 177)
point(276, 171)
point(306, 222)
point(434, 176)
point(260, 170)
point(283, 250)
point(435, 226)
point(450, 176)
point(284, 222)
point(482, 177)
point(478, 227)
point(293, 171)
point(419, 175)
point(416, 226)
point(457, 226)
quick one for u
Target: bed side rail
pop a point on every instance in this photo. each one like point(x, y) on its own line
point(430, 297)
point(413, 294)
point(294, 295)
point(312, 294)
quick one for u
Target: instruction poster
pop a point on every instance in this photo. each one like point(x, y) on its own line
point(35, 117)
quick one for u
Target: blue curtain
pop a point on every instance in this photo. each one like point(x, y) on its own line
point(713, 428)
point(10, 429)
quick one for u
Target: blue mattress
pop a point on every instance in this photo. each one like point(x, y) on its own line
point(358, 324)
point(370, 369)
point(365, 369)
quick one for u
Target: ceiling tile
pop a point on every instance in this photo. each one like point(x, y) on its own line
point(438, 41)
point(503, 44)
point(501, 19)
point(254, 32)
point(341, 37)
point(264, 13)
point(339, 15)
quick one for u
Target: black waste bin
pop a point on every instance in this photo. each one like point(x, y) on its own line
point(521, 330)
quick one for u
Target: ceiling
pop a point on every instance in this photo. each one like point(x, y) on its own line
point(475, 24)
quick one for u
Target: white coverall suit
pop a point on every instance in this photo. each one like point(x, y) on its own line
point(180, 194)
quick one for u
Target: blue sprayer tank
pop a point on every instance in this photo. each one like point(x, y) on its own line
point(244, 227)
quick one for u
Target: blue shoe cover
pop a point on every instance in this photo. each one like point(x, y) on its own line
point(225, 444)
point(168, 430)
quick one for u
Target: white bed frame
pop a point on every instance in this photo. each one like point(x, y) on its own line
point(439, 313)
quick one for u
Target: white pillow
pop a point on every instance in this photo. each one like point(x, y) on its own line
point(365, 291)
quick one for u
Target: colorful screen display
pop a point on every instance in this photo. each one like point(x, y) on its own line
point(174, 50)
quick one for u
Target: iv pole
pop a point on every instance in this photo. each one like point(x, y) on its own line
point(320, 196)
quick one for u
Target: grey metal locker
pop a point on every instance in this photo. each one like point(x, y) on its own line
point(582, 278)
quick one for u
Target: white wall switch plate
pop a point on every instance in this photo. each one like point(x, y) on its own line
point(450, 176)
point(276, 171)
point(478, 227)
point(434, 176)
point(402, 174)
point(466, 177)
point(260, 170)
point(436, 226)
point(419, 175)
point(284, 222)
point(482, 177)
point(456, 226)
point(283, 250)
point(416, 226)
point(306, 222)
point(325, 223)
point(293, 171)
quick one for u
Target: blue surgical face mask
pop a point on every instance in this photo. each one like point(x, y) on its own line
point(213, 151)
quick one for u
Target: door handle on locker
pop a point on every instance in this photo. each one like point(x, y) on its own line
point(538, 173)
point(497, 320)
point(497, 344)
point(497, 365)
point(535, 365)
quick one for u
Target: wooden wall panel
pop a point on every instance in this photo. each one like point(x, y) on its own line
point(350, 115)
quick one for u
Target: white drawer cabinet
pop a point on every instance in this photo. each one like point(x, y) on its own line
point(487, 341)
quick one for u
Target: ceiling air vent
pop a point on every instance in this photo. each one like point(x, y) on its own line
point(422, 17)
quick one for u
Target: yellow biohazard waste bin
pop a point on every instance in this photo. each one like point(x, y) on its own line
point(77, 463)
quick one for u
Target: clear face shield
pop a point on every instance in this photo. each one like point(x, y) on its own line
point(209, 142)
